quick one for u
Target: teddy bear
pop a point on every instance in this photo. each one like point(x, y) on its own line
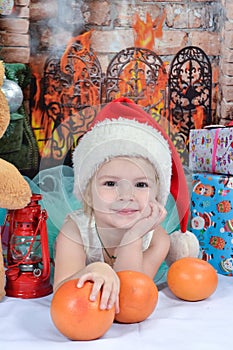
point(15, 192)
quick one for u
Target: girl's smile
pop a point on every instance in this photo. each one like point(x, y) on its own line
point(126, 211)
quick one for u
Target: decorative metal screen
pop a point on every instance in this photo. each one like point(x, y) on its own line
point(189, 97)
point(74, 87)
point(138, 74)
point(71, 98)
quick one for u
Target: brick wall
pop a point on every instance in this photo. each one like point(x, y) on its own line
point(14, 34)
point(186, 23)
point(49, 24)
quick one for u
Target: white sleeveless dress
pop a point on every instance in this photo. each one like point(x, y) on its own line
point(77, 220)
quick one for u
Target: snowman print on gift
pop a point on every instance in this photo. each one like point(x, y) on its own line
point(202, 221)
point(227, 265)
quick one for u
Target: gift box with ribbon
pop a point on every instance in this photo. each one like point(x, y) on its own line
point(212, 219)
point(211, 150)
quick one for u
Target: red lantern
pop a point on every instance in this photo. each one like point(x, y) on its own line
point(28, 258)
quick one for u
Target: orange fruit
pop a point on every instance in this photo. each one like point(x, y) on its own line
point(75, 316)
point(138, 297)
point(192, 279)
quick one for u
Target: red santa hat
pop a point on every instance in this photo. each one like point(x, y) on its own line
point(122, 128)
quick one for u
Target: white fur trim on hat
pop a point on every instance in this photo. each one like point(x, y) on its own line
point(121, 137)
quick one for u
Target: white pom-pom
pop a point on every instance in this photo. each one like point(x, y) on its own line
point(182, 245)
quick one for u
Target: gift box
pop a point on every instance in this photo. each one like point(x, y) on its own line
point(212, 219)
point(211, 150)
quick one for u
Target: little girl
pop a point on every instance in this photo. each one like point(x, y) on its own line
point(122, 174)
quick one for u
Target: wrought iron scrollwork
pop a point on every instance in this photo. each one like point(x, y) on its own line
point(74, 88)
point(190, 90)
point(136, 73)
point(71, 97)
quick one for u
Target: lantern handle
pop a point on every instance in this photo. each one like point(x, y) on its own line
point(44, 244)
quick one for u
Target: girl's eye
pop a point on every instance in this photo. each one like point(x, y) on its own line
point(141, 184)
point(110, 183)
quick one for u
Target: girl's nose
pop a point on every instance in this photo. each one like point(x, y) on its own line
point(125, 190)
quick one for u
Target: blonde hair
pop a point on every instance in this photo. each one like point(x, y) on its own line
point(87, 200)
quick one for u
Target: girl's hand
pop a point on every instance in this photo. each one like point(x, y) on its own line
point(104, 278)
point(153, 215)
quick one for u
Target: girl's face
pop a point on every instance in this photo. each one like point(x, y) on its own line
point(122, 190)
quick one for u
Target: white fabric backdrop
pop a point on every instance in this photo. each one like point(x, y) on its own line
point(26, 324)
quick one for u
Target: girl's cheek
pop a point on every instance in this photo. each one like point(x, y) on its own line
point(145, 196)
point(105, 197)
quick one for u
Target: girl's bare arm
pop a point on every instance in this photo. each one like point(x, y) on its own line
point(70, 261)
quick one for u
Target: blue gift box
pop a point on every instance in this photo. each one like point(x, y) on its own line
point(212, 219)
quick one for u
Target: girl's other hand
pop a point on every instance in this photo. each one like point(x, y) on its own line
point(153, 215)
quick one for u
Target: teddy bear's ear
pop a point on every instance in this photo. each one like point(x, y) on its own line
point(4, 110)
